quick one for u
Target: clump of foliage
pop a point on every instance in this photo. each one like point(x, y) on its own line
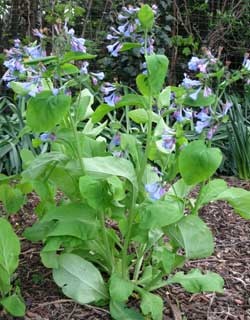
point(126, 222)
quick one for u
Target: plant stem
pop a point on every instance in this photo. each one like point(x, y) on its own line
point(127, 237)
point(78, 149)
point(139, 261)
point(110, 258)
point(197, 202)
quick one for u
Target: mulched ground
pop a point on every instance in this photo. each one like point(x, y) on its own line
point(231, 260)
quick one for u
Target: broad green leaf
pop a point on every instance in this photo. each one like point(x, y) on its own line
point(164, 97)
point(95, 192)
point(116, 188)
point(138, 115)
point(161, 213)
point(65, 182)
point(20, 89)
point(142, 84)
point(48, 254)
point(119, 288)
point(5, 281)
point(133, 100)
point(157, 71)
point(45, 110)
point(146, 17)
point(74, 219)
point(39, 231)
point(130, 144)
point(9, 247)
point(74, 56)
point(200, 101)
point(105, 167)
point(101, 112)
point(196, 282)
point(79, 279)
point(42, 163)
point(212, 190)
point(129, 45)
point(27, 157)
point(14, 305)
point(68, 69)
point(152, 304)
point(197, 162)
point(119, 311)
point(192, 234)
point(239, 199)
point(93, 131)
point(12, 198)
point(167, 260)
point(44, 60)
point(83, 105)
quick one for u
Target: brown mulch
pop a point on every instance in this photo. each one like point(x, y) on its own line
point(231, 260)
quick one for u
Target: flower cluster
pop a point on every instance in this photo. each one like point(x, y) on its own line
point(129, 30)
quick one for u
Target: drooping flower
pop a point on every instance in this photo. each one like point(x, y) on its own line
point(246, 62)
point(195, 94)
point(35, 52)
point(207, 91)
point(115, 141)
point(189, 83)
point(114, 49)
point(200, 125)
point(197, 64)
point(110, 95)
point(193, 64)
point(226, 107)
point(211, 132)
point(168, 140)
point(47, 137)
point(203, 115)
point(155, 190)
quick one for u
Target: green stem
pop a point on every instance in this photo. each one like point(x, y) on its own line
point(197, 202)
point(127, 237)
point(148, 142)
point(139, 261)
point(78, 148)
point(110, 257)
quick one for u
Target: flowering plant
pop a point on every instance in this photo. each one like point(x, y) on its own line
point(126, 221)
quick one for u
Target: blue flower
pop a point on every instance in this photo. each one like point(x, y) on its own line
point(114, 49)
point(195, 94)
point(203, 115)
point(226, 107)
point(188, 83)
point(155, 190)
point(35, 52)
point(200, 125)
point(193, 64)
point(115, 141)
point(47, 137)
point(207, 91)
point(77, 44)
point(211, 132)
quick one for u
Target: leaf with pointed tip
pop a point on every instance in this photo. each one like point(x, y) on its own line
point(79, 279)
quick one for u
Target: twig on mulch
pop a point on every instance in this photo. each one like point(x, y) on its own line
point(60, 301)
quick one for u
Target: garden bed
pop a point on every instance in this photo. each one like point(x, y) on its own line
point(231, 260)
